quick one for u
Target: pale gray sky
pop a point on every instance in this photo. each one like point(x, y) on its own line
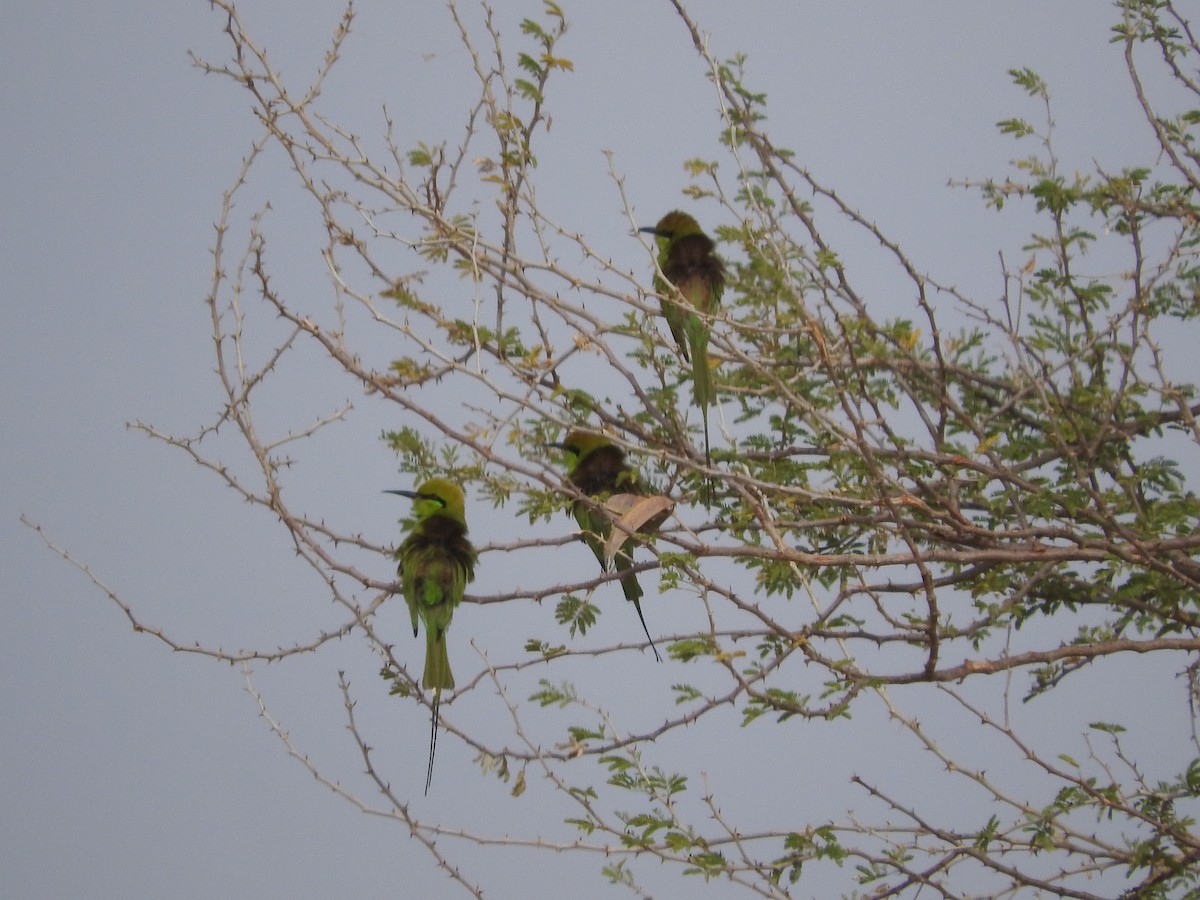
point(126, 771)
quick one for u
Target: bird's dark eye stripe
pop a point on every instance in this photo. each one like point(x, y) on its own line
point(432, 497)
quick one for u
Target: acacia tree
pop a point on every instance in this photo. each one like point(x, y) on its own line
point(974, 503)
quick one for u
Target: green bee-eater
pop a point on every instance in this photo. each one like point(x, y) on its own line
point(690, 265)
point(597, 468)
point(436, 564)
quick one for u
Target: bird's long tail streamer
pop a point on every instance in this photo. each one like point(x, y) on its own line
point(433, 733)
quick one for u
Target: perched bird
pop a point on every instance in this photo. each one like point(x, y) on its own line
point(688, 262)
point(597, 468)
point(436, 564)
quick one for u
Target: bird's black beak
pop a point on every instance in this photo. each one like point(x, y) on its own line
point(411, 495)
point(649, 229)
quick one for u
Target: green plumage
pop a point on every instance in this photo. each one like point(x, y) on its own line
point(436, 564)
point(597, 468)
point(694, 280)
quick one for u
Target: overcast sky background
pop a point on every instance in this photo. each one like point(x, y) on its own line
point(127, 771)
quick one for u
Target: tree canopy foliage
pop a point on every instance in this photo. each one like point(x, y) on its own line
point(929, 511)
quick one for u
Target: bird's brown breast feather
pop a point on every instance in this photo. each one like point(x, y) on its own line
point(604, 471)
point(691, 257)
point(449, 536)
